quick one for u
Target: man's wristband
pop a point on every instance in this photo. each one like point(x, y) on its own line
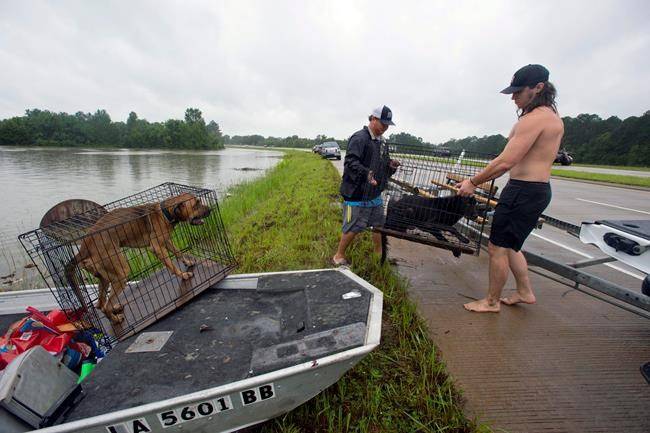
point(472, 182)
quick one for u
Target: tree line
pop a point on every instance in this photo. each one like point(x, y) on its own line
point(587, 137)
point(293, 141)
point(46, 128)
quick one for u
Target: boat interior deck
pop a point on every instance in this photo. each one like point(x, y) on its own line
point(226, 334)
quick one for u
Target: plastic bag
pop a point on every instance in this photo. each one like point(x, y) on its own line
point(38, 329)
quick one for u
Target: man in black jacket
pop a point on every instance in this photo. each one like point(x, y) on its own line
point(367, 168)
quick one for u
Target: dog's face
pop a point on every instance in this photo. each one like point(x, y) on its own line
point(188, 208)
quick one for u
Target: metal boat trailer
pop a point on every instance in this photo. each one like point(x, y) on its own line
point(624, 241)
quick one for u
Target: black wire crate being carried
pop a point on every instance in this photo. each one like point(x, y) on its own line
point(420, 197)
point(116, 269)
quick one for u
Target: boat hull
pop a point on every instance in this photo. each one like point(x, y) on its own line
point(271, 387)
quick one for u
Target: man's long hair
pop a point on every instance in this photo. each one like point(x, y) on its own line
point(545, 98)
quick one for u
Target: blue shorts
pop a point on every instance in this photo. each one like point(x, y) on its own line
point(359, 218)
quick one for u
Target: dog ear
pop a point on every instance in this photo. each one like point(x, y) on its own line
point(171, 202)
point(186, 207)
point(175, 206)
point(178, 214)
point(183, 208)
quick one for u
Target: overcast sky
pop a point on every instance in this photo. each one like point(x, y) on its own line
point(308, 67)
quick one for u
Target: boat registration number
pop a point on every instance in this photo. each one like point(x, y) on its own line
point(183, 414)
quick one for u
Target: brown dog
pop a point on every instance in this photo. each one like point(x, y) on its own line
point(146, 226)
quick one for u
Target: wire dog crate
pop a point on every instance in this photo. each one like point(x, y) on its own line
point(419, 197)
point(118, 268)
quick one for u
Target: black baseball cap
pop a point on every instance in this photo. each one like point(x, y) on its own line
point(384, 115)
point(527, 76)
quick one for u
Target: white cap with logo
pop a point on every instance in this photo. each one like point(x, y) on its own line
point(384, 115)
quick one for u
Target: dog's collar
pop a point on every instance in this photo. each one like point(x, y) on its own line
point(171, 217)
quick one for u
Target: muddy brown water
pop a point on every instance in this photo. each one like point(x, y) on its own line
point(33, 179)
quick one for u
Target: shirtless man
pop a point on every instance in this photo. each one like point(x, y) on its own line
point(529, 154)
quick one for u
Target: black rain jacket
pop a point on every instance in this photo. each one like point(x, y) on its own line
point(363, 155)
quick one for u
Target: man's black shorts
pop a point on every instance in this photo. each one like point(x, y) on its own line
point(520, 205)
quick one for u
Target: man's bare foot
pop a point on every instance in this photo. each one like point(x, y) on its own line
point(339, 261)
point(517, 298)
point(482, 306)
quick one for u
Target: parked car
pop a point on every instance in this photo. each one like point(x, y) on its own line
point(563, 157)
point(330, 149)
point(441, 151)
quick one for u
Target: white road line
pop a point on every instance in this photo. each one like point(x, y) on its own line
point(611, 205)
point(573, 250)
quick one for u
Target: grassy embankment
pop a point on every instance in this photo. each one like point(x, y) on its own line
point(290, 220)
point(618, 179)
point(603, 177)
point(613, 167)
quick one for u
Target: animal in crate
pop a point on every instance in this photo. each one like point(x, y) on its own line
point(143, 226)
point(430, 214)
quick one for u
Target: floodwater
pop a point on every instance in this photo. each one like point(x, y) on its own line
point(33, 179)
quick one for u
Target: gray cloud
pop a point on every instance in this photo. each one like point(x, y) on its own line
point(287, 67)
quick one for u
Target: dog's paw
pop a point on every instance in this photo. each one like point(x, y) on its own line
point(118, 308)
point(188, 262)
point(117, 319)
point(187, 275)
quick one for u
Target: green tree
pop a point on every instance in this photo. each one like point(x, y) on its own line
point(14, 132)
point(132, 121)
point(215, 134)
point(406, 138)
point(194, 115)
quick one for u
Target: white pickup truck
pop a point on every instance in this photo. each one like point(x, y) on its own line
point(330, 149)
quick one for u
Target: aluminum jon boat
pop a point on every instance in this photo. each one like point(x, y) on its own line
point(248, 349)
